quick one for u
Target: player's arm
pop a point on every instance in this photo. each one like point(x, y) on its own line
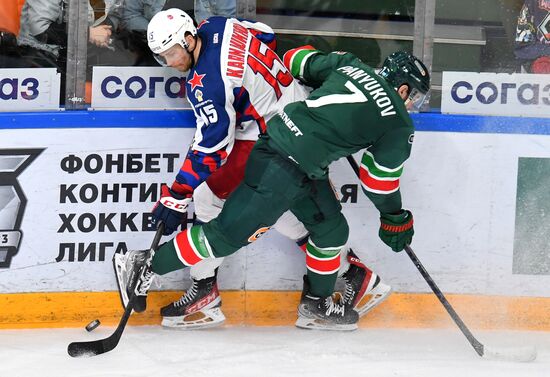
point(196, 168)
point(214, 138)
point(312, 66)
point(380, 174)
point(381, 169)
point(213, 141)
point(171, 208)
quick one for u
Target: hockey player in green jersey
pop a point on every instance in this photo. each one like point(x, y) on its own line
point(351, 108)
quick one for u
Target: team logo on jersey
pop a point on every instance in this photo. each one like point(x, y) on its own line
point(257, 234)
point(12, 200)
point(216, 38)
point(198, 95)
point(196, 81)
point(290, 124)
point(411, 138)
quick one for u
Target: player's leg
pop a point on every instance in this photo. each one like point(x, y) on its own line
point(320, 212)
point(251, 209)
point(248, 213)
point(257, 203)
point(200, 306)
point(362, 287)
point(289, 226)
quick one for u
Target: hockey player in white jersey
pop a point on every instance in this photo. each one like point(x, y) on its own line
point(236, 83)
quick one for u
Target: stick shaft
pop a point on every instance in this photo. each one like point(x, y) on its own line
point(454, 315)
point(96, 347)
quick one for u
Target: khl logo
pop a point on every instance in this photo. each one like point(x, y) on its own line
point(12, 200)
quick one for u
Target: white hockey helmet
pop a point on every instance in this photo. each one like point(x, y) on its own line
point(167, 28)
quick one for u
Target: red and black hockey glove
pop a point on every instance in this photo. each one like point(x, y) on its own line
point(396, 230)
point(171, 209)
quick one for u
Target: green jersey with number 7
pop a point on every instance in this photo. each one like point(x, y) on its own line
point(351, 108)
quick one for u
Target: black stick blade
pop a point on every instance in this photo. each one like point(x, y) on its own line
point(99, 346)
point(92, 348)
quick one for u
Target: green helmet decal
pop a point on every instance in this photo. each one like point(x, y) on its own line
point(401, 67)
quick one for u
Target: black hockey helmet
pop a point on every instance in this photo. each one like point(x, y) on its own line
point(402, 67)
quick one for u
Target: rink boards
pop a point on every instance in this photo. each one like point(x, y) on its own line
point(75, 187)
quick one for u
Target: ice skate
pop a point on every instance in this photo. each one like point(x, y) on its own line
point(134, 266)
point(199, 307)
point(325, 313)
point(364, 288)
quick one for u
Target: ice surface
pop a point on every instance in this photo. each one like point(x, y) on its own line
point(268, 351)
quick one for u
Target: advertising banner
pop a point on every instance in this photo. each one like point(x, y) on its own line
point(138, 88)
point(24, 89)
point(496, 94)
point(70, 198)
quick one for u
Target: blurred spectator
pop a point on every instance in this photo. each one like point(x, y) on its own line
point(132, 18)
point(43, 32)
point(509, 15)
point(9, 53)
point(532, 45)
point(209, 8)
point(131, 35)
point(113, 14)
point(187, 6)
point(43, 36)
point(138, 13)
point(9, 27)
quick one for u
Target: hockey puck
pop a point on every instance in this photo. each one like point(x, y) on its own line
point(92, 325)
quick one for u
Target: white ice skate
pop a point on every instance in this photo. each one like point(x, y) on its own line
point(200, 307)
point(130, 267)
point(364, 288)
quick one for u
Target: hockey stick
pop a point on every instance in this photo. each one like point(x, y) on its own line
point(99, 346)
point(510, 354)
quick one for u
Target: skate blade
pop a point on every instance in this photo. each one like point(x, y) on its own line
point(199, 320)
point(121, 274)
point(319, 324)
point(372, 299)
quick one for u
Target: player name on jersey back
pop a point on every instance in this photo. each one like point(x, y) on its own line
point(373, 88)
point(237, 49)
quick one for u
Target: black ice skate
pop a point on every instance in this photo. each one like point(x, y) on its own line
point(325, 313)
point(199, 307)
point(364, 289)
point(135, 264)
